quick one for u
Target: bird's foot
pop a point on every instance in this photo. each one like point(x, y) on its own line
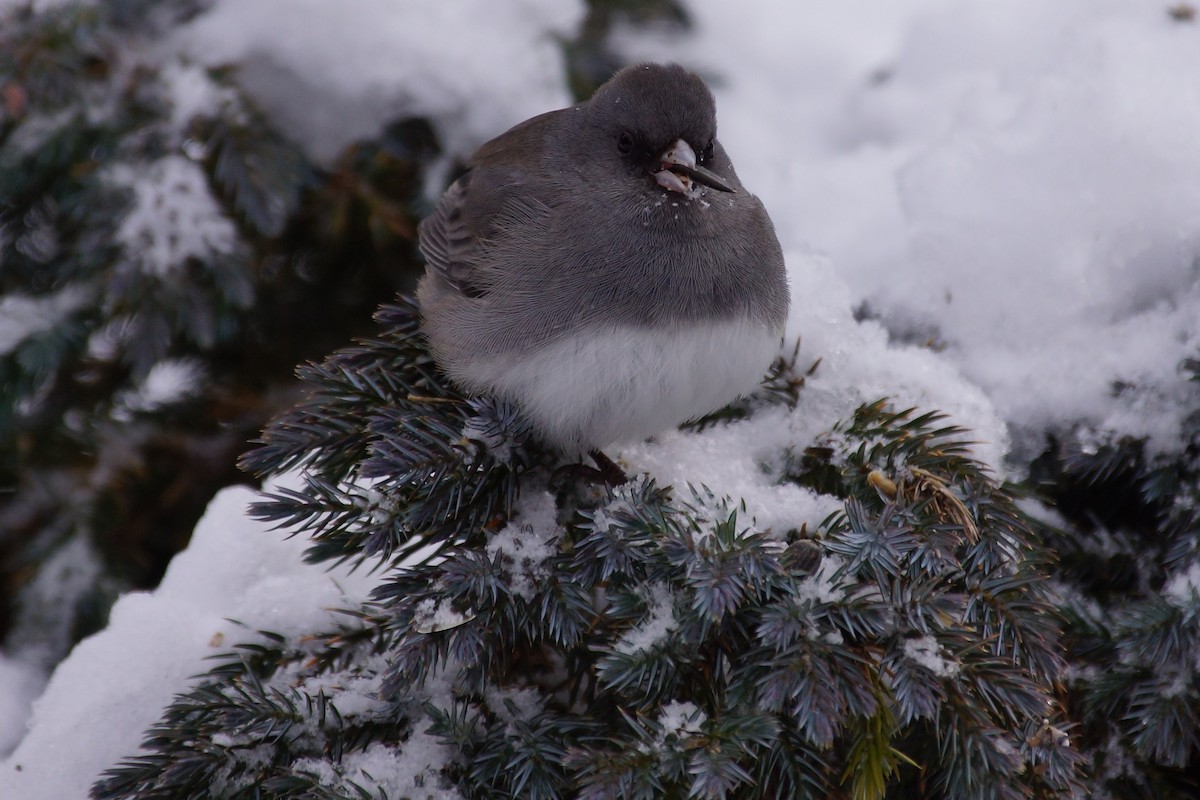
point(610, 473)
point(606, 472)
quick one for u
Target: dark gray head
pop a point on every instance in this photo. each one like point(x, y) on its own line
point(658, 122)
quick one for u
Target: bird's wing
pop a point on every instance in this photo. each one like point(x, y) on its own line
point(498, 190)
point(449, 240)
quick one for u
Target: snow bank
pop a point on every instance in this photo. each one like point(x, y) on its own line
point(115, 684)
point(1018, 184)
point(333, 72)
point(858, 365)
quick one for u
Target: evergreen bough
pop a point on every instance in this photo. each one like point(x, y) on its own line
point(564, 640)
point(142, 241)
point(1129, 581)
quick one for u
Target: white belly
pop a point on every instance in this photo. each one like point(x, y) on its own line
point(624, 384)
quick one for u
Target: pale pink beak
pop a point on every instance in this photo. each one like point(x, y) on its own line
point(679, 169)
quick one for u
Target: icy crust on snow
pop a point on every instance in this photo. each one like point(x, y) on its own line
point(330, 73)
point(1018, 183)
point(115, 684)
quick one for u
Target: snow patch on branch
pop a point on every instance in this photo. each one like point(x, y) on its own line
point(174, 217)
point(660, 620)
point(22, 316)
point(528, 541)
point(927, 652)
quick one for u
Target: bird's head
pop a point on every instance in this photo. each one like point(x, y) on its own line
point(659, 124)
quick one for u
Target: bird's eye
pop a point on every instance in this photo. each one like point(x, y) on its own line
point(707, 154)
point(625, 143)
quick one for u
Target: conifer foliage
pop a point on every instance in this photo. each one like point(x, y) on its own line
point(164, 249)
point(1130, 587)
point(556, 639)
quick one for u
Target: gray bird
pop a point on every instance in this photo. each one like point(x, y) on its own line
point(602, 267)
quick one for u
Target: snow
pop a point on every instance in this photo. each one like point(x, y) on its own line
point(174, 217)
point(1183, 588)
point(411, 772)
point(926, 651)
point(192, 91)
point(168, 382)
point(528, 541)
point(115, 684)
point(1018, 181)
point(660, 621)
point(679, 718)
point(331, 74)
point(858, 366)
point(1008, 192)
point(433, 615)
point(822, 586)
point(41, 633)
point(22, 316)
point(19, 684)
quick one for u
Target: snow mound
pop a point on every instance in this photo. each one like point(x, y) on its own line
point(115, 684)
